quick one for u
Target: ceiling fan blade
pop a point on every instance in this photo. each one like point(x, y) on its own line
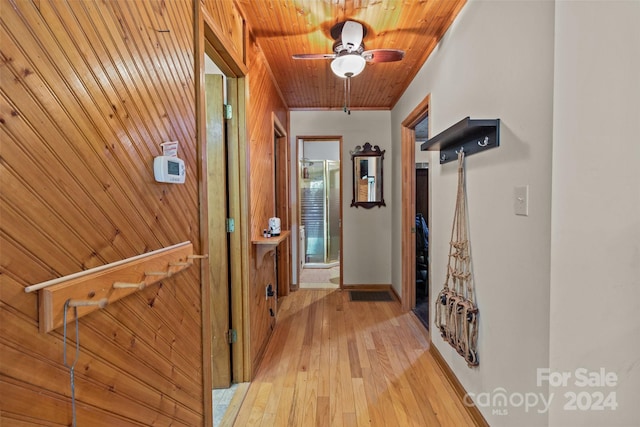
point(314, 56)
point(352, 33)
point(383, 55)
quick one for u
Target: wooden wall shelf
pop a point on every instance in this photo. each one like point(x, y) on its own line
point(95, 288)
point(266, 245)
point(471, 135)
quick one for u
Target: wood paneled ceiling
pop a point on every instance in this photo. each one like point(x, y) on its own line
point(286, 27)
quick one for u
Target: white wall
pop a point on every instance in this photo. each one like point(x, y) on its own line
point(595, 274)
point(321, 150)
point(366, 232)
point(496, 61)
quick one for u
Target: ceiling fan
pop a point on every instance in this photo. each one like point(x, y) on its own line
point(349, 57)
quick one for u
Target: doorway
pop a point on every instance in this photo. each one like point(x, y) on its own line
point(415, 254)
point(421, 308)
point(281, 185)
point(320, 212)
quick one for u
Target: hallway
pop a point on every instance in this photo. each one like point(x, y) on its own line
point(334, 362)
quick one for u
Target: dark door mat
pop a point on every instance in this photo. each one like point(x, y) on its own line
point(370, 296)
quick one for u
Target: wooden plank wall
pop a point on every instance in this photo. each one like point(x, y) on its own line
point(89, 89)
point(263, 99)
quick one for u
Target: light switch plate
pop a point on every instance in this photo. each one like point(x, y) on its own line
point(521, 200)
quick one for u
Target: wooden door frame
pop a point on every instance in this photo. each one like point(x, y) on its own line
point(207, 40)
point(408, 146)
point(297, 186)
point(282, 203)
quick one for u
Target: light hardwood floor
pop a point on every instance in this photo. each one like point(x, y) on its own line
point(334, 362)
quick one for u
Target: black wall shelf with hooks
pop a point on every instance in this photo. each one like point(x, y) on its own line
point(471, 135)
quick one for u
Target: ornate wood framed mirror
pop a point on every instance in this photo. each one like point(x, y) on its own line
point(368, 188)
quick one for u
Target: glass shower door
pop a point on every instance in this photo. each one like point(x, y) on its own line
point(320, 210)
point(312, 210)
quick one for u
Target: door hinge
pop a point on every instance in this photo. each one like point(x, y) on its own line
point(232, 336)
point(231, 225)
point(228, 112)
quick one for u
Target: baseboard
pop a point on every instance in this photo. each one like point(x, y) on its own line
point(473, 411)
point(395, 294)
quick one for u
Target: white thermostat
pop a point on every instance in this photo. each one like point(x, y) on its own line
point(169, 169)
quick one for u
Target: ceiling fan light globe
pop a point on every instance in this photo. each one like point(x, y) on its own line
point(348, 65)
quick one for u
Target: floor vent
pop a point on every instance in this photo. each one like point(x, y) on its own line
point(370, 296)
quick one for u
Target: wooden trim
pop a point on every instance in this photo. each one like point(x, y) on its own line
point(340, 109)
point(205, 288)
point(299, 219)
point(418, 114)
point(320, 138)
point(461, 393)
point(242, 321)
point(341, 284)
point(220, 43)
point(395, 294)
point(408, 142)
point(237, 243)
point(283, 203)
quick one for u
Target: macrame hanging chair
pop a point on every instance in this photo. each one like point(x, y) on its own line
point(456, 313)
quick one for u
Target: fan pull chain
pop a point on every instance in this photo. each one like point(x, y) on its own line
point(347, 93)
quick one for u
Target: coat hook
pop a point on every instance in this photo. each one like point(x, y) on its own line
point(443, 157)
point(484, 142)
point(102, 303)
point(157, 273)
point(461, 150)
point(125, 285)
